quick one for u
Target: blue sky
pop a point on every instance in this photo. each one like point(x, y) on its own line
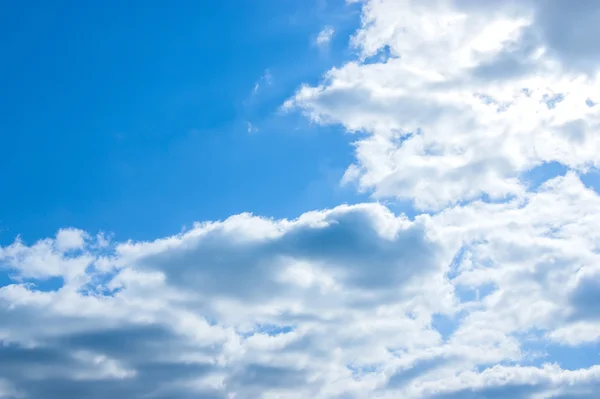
point(300, 199)
point(112, 113)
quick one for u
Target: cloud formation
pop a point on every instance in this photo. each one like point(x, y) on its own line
point(324, 36)
point(245, 306)
point(455, 104)
point(459, 98)
point(337, 303)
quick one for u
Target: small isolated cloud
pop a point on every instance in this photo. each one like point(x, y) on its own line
point(324, 36)
point(265, 80)
point(251, 128)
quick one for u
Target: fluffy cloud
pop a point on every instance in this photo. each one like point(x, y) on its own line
point(337, 303)
point(453, 103)
point(528, 267)
point(459, 99)
point(246, 306)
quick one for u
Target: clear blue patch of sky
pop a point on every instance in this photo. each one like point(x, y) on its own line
point(535, 177)
point(273, 330)
point(540, 350)
point(5, 279)
point(134, 118)
point(591, 179)
point(46, 284)
point(470, 294)
point(445, 325)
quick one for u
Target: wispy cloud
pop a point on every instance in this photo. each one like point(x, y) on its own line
point(251, 128)
point(325, 36)
point(265, 80)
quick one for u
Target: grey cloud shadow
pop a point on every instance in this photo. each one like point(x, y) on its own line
point(215, 265)
point(402, 377)
point(261, 376)
point(571, 31)
point(517, 391)
point(585, 298)
point(48, 372)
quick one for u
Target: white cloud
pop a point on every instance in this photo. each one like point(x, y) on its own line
point(47, 258)
point(70, 239)
point(337, 303)
point(324, 36)
point(214, 298)
point(537, 257)
point(471, 97)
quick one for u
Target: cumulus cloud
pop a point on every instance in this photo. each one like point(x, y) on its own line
point(460, 98)
point(536, 259)
point(246, 306)
point(336, 303)
point(456, 102)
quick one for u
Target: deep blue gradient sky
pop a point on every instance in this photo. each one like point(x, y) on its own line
point(111, 113)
